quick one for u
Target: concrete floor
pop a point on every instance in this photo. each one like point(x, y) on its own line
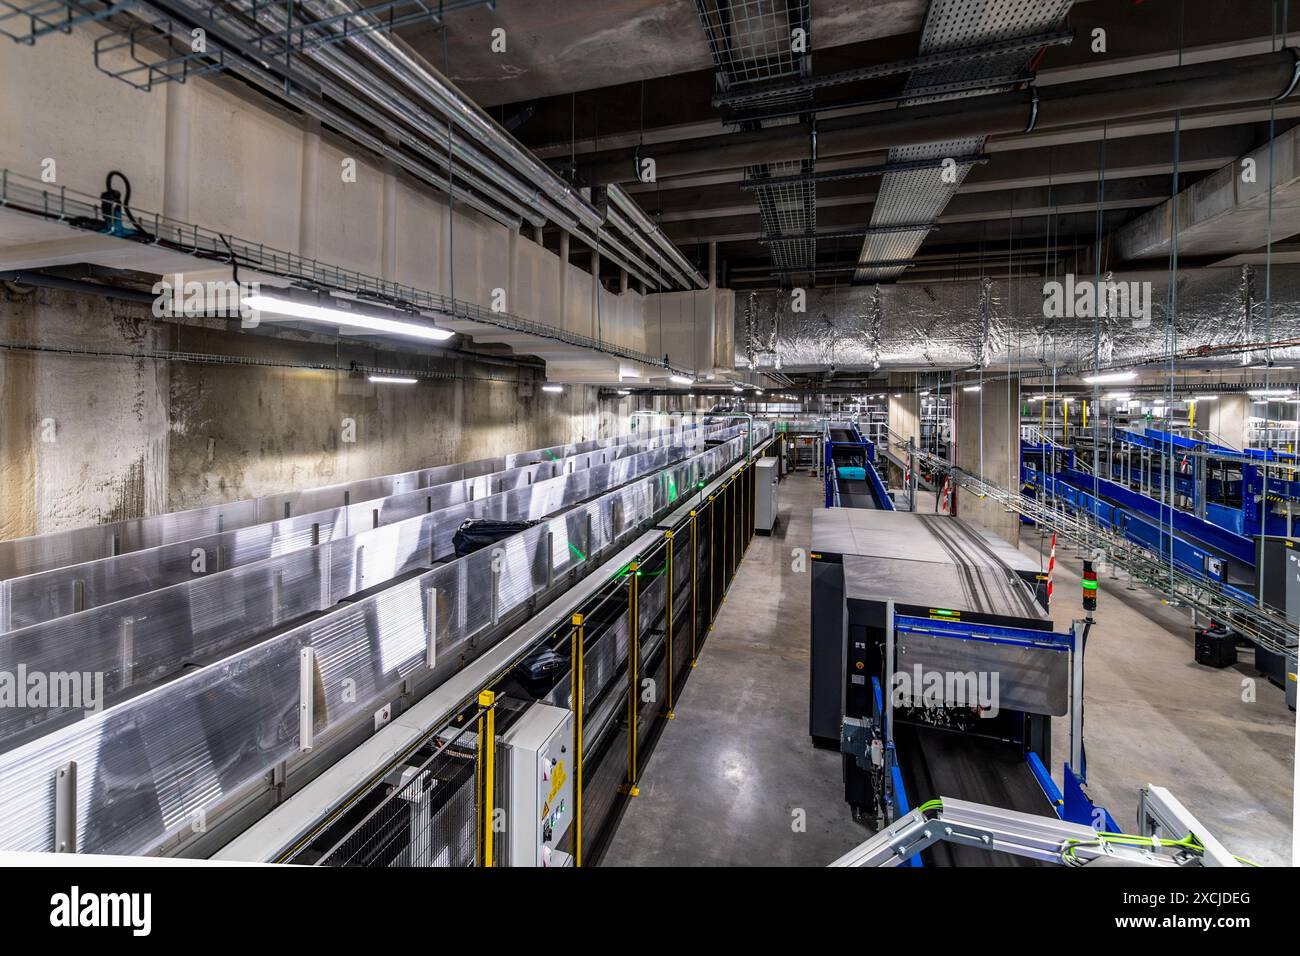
point(727, 776)
point(1155, 716)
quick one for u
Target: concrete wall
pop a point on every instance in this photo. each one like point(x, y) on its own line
point(987, 427)
point(88, 438)
point(1225, 417)
point(905, 416)
point(694, 329)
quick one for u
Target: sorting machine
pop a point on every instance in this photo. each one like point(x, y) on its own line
point(850, 470)
point(936, 670)
point(555, 690)
point(308, 633)
point(1218, 514)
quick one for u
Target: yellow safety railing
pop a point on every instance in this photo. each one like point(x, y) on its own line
point(579, 708)
point(487, 751)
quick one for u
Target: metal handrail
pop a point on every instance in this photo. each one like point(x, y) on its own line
point(1258, 624)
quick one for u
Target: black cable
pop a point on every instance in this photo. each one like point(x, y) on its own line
point(123, 200)
point(234, 262)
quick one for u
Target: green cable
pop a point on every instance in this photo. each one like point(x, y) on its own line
point(1188, 842)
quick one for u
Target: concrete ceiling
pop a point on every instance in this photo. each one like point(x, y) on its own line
point(566, 46)
point(604, 79)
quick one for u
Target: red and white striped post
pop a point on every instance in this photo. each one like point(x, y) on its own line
point(1051, 566)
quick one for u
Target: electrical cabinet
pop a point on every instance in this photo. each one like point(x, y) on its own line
point(765, 497)
point(539, 808)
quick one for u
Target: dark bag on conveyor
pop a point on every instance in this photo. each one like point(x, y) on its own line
point(476, 533)
point(539, 669)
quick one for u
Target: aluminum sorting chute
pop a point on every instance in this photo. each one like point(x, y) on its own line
point(134, 643)
point(30, 555)
point(36, 598)
point(158, 763)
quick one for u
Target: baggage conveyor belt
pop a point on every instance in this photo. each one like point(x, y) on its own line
point(965, 766)
point(856, 493)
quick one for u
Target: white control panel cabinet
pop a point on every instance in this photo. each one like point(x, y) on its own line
point(539, 751)
point(765, 485)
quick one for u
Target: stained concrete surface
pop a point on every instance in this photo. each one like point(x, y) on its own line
point(727, 778)
point(1153, 715)
point(92, 433)
point(724, 781)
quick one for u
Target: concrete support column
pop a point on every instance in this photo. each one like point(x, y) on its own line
point(1226, 417)
point(595, 293)
point(537, 235)
point(309, 201)
point(561, 320)
point(512, 268)
point(176, 152)
point(987, 432)
point(622, 281)
point(905, 416)
point(388, 254)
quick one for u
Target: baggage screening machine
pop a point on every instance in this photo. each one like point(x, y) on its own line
point(952, 620)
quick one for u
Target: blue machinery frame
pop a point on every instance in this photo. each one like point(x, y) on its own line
point(867, 451)
point(1216, 538)
point(1071, 803)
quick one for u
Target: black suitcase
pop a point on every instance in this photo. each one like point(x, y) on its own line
point(476, 533)
point(1215, 647)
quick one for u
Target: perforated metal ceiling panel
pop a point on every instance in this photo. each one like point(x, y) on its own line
point(920, 196)
point(751, 42)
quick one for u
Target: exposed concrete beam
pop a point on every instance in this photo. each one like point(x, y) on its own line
point(1136, 193)
point(1243, 81)
point(1232, 210)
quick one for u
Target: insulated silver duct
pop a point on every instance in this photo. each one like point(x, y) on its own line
point(1219, 323)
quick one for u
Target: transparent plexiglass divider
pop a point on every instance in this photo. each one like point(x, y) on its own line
point(44, 552)
point(135, 642)
point(154, 766)
point(44, 596)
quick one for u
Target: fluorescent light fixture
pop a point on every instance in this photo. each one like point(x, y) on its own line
point(971, 388)
point(1118, 396)
point(1201, 398)
point(625, 391)
point(681, 380)
point(736, 388)
point(1271, 392)
point(923, 394)
point(1110, 377)
point(345, 317)
point(393, 380)
point(898, 395)
point(552, 388)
